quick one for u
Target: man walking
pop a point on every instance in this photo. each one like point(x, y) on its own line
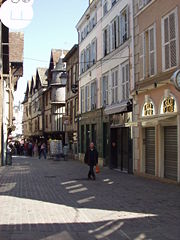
point(91, 158)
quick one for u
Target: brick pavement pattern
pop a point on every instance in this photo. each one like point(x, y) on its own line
point(53, 200)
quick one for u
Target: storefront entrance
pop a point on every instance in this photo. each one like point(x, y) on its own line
point(121, 149)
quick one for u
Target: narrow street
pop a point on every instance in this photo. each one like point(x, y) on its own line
point(52, 200)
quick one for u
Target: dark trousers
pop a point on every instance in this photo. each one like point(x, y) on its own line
point(91, 171)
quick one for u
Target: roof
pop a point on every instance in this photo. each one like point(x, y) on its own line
point(43, 75)
point(16, 47)
point(71, 52)
point(56, 54)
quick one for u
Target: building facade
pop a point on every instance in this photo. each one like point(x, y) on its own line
point(72, 108)
point(11, 69)
point(105, 56)
point(54, 97)
point(156, 100)
point(44, 102)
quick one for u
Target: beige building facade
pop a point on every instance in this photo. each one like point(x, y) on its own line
point(156, 110)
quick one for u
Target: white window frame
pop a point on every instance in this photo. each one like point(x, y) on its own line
point(88, 57)
point(87, 98)
point(114, 85)
point(114, 33)
point(93, 51)
point(125, 80)
point(93, 95)
point(105, 89)
point(123, 26)
point(82, 100)
point(152, 51)
point(82, 62)
point(176, 39)
point(143, 57)
point(107, 41)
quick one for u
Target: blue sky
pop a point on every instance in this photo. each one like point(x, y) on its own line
point(53, 26)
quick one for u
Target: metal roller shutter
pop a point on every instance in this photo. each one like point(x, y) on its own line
point(170, 152)
point(150, 150)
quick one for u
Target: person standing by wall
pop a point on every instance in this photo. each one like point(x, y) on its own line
point(43, 150)
point(91, 158)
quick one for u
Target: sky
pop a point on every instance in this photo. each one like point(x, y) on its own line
point(53, 27)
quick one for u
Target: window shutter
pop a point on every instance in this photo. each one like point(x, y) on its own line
point(95, 51)
point(127, 81)
point(117, 31)
point(127, 23)
point(142, 55)
point(172, 34)
point(120, 29)
point(152, 61)
point(104, 40)
point(112, 36)
point(108, 39)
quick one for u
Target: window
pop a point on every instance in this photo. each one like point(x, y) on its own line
point(82, 138)
point(68, 79)
point(67, 109)
point(169, 40)
point(82, 100)
point(88, 57)
point(105, 8)
point(27, 111)
point(93, 51)
point(76, 107)
point(113, 2)
point(106, 41)
point(87, 99)
point(143, 3)
point(114, 88)
point(93, 95)
point(74, 74)
point(82, 62)
point(125, 81)
point(71, 111)
point(50, 119)
point(114, 33)
point(148, 53)
point(105, 90)
point(124, 25)
point(46, 99)
point(46, 121)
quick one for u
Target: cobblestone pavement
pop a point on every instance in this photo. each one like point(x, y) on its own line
point(53, 200)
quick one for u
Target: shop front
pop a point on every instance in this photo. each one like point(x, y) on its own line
point(121, 142)
point(157, 135)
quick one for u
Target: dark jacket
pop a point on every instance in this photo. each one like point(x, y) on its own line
point(91, 158)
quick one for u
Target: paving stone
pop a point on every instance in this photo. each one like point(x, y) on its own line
point(46, 200)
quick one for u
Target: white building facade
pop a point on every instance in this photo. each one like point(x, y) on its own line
point(105, 82)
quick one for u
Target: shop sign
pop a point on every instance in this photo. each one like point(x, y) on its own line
point(148, 109)
point(168, 105)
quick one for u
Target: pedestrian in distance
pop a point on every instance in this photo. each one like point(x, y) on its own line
point(43, 151)
point(91, 159)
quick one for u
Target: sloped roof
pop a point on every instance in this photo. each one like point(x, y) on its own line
point(56, 54)
point(16, 47)
point(29, 84)
point(43, 75)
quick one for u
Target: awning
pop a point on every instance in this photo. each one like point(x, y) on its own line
point(117, 108)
